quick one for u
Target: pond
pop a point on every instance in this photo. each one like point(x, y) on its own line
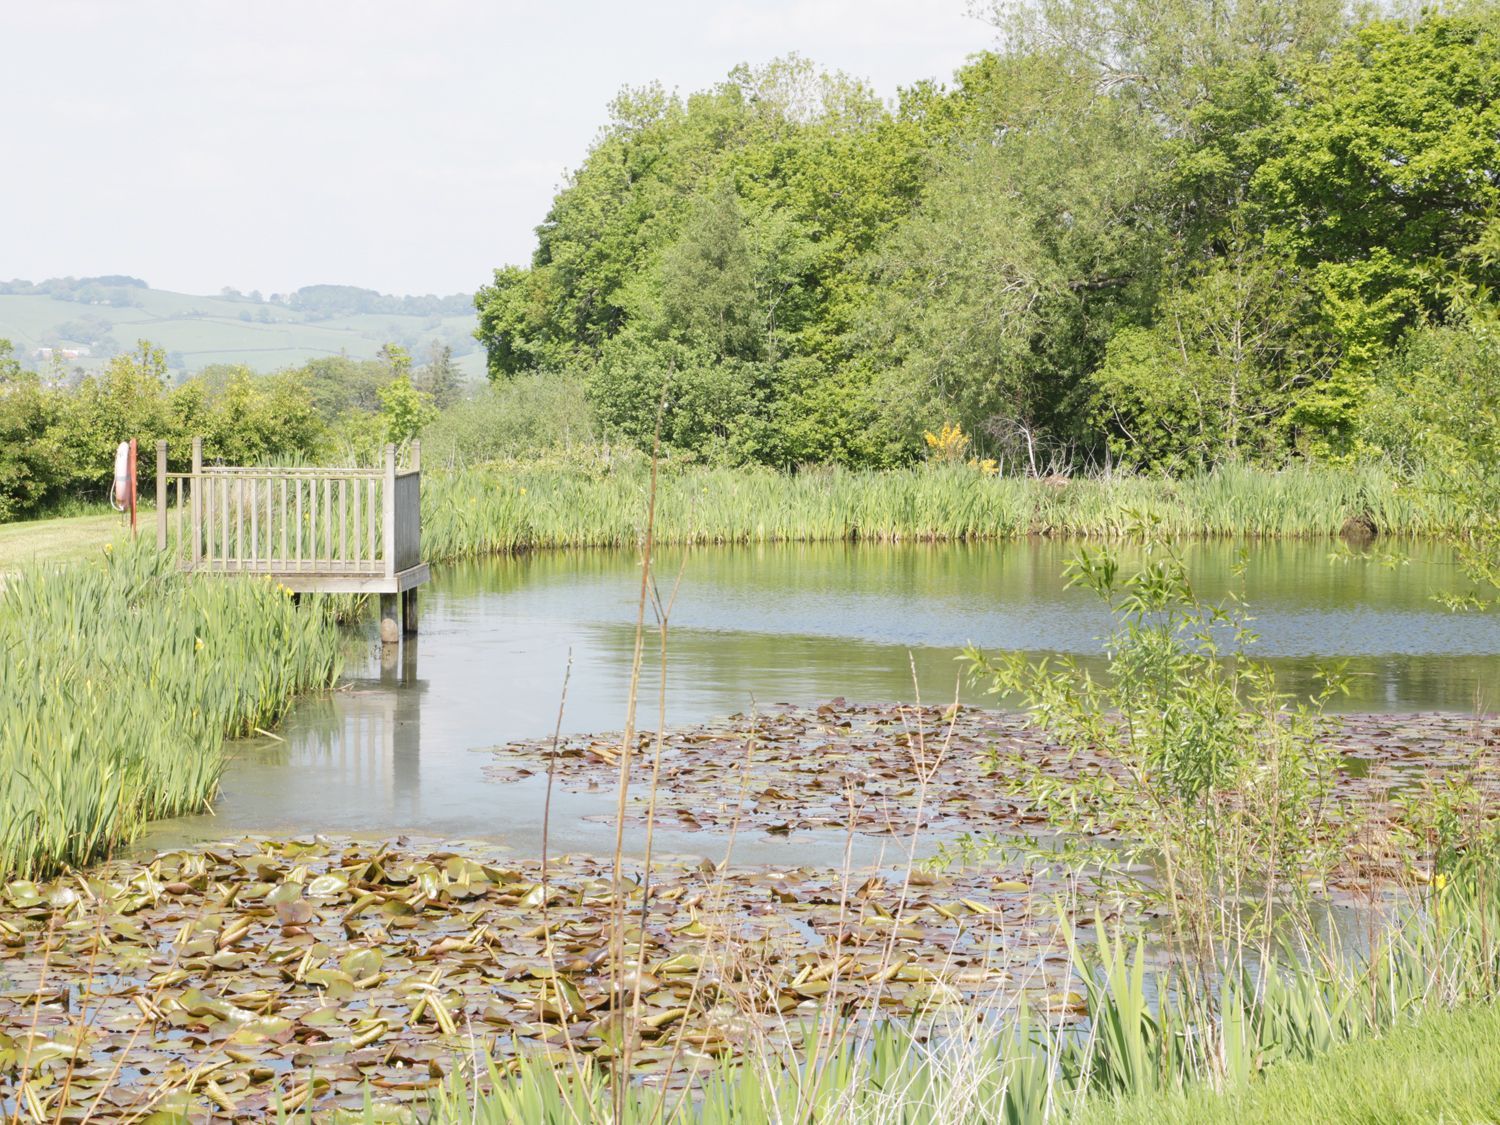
point(394, 750)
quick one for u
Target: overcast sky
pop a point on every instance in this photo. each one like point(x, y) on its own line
point(406, 146)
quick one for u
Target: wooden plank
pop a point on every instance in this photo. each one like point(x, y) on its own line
point(359, 527)
point(283, 519)
point(373, 542)
point(196, 498)
point(327, 519)
point(161, 496)
point(357, 583)
point(312, 527)
point(343, 521)
point(408, 518)
point(388, 511)
point(224, 540)
point(254, 520)
point(298, 486)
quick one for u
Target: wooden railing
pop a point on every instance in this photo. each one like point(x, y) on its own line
point(344, 526)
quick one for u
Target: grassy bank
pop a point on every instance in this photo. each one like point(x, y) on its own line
point(56, 540)
point(119, 682)
point(1440, 1068)
point(520, 505)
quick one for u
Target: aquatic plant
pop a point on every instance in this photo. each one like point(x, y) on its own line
point(119, 681)
point(1143, 1051)
point(512, 506)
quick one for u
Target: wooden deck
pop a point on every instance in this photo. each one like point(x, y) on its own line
point(313, 530)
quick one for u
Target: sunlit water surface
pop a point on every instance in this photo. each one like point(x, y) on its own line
point(395, 750)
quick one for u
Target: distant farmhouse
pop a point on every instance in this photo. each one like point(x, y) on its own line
point(46, 354)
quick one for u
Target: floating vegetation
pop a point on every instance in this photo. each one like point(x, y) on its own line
point(241, 976)
point(890, 770)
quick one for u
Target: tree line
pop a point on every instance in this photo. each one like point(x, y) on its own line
point(57, 441)
point(1158, 235)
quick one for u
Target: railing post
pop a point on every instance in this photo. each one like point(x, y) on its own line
point(416, 455)
point(197, 498)
point(389, 509)
point(161, 496)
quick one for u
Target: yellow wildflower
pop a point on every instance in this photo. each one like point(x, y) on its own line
point(948, 444)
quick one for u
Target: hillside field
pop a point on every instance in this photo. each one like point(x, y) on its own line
point(197, 331)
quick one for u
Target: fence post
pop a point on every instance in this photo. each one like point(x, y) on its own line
point(416, 455)
point(389, 511)
point(161, 496)
point(197, 499)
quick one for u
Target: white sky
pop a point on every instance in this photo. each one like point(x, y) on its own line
point(405, 145)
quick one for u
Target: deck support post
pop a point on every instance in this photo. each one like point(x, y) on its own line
point(390, 619)
point(409, 612)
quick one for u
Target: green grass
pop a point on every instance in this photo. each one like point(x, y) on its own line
point(120, 678)
point(520, 505)
point(56, 540)
point(1443, 1067)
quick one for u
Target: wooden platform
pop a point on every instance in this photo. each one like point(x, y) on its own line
point(314, 530)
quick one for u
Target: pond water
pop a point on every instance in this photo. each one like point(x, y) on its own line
point(394, 749)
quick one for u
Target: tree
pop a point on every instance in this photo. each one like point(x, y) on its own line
point(1435, 404)
point(439, 378)
point(1382, 184)
point(705, 284)
point(1171, 231)
point(28, 460)
point(1218, 372)
point(1029, 242)
point(404, 410)
point(1168, 56)
point(397, 360)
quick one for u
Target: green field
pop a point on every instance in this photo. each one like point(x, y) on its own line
point(57, 540)
point(197, 331)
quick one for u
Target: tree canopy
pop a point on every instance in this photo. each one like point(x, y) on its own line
point(1161, 234)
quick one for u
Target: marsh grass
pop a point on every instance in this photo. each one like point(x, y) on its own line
point(119, 681)
point(513, 506)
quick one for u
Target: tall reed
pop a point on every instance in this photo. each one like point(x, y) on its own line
point(512, 506)
point(120, 678)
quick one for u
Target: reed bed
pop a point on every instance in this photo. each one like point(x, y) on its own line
point(514, 506)
point(120, 680)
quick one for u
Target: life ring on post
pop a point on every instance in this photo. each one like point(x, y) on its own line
point(122, 494)
point(119, 493)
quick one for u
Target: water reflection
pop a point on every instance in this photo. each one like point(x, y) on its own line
point(393, 749)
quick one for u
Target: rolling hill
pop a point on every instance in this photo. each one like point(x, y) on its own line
point(107, 315)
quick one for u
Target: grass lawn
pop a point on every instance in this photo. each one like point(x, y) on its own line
point(57, 539)
point(1443, 1068)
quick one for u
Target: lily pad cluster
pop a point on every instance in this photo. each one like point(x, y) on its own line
point(890, 770)
point(231, 979)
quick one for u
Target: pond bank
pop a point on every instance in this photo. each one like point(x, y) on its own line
point(601, 502)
